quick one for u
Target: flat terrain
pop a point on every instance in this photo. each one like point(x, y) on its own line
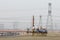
point(50, 36)
point(30, 38)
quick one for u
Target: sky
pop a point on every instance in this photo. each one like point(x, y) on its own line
point(23, 10)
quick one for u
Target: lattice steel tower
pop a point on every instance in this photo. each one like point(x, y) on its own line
point(49, 18)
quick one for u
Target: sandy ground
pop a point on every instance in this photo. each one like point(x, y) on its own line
point(30, 38)
point(50, 36)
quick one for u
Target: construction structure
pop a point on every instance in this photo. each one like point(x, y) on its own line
point(49, 18)
point(40, 29)
point(40, 22)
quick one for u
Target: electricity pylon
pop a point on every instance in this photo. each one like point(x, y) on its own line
point(49, 18)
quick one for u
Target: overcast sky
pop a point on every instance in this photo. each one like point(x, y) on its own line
point(17, 8)
point(24, 9)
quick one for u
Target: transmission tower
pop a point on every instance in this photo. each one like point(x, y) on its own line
point(49, 18)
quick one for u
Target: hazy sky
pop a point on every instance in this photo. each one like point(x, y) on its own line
point(17, 8)
point(24, 9)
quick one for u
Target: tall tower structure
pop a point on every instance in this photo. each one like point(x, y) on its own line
point(33, 26)
point(49, 18)
point(40, 21)
point(33, 22)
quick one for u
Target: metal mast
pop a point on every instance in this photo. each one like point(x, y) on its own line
point(40, 22)
point(33, 28)
point(33, 22)
point(49, 18)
